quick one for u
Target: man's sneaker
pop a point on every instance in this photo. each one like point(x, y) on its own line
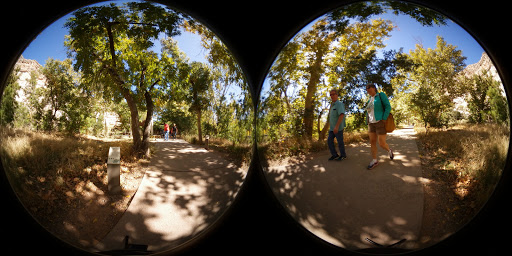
point(341, 158)
point(372, 164)
point(391, 155)
point(333, 157)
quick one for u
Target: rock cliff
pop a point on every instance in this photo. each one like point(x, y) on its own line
point(26, 68)
point(26, 65)
point(485, 64)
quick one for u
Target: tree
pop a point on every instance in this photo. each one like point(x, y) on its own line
point(68, 103)
point(199, 81)
point(319, 55)
point(111, 46)
point(486, 101)
point(8, 103)
point(433, 81)
point(308, 63)
point(228, 118)
point(355, 61)
point(428, 108)
point(498, 104)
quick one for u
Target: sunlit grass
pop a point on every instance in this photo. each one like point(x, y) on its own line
point(472, 156)
point(28, 154)
point(62, 181)
point(44, 167)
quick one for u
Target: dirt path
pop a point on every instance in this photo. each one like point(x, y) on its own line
point(343, 203)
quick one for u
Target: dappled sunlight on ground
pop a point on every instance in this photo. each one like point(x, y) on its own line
point(343, 203)
point(186, 189)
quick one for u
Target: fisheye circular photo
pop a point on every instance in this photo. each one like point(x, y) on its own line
point(126, 128)
point(383, 126)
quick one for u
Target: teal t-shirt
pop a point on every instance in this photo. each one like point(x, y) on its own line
point(337, 108)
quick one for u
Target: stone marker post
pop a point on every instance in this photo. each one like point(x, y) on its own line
point(207, 137)
point(114, 170)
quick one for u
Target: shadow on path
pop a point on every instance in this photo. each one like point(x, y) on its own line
point(186, 189)
point(344, 203)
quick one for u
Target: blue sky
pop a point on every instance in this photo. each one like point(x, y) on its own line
point(50, 42)
point(409, 33)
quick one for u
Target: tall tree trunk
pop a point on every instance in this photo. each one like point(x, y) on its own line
point(197, 108)
point(320, 45)
point(132, 105)
point(134, 120)
point(199, 132)
point(309, 107)
point(149, 119)
point(127, 94)
point(323, 131)
point(147, 127)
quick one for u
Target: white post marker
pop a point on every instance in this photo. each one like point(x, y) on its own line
point(114, 170)
point(207, 137)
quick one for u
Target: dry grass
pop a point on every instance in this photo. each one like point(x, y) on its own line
point(472, 157)
point(62, 181)
point(463, 165)
point(298, 147)
point(53, 156)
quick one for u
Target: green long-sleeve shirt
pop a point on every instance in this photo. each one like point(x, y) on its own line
point(381, 107)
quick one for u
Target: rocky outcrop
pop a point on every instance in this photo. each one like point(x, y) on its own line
point(27, 66)
point(27, 71)
point(485, 64)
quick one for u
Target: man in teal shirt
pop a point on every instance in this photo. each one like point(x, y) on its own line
point(337, 124)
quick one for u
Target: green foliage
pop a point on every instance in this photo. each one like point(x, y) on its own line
point(486, 101)
point(116, 70)
point(432, 82)
point(177, 112)
point(429, 108)
point(355, 122)
point(8, 104)
point(340, 51)
point(210, 88)
point(111, 46)
point(314, 62)
point(69, 104)
point(498, 105)
point(60, 105)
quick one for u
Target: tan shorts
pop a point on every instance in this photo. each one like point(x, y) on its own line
point(378, 128)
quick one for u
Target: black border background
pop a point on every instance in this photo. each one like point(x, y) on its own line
point(255, 31)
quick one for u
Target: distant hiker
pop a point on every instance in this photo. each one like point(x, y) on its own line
point(336, 126)
point(174, 131)
point(166, 132)
point(377, 112)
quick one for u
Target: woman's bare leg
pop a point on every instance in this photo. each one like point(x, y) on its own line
point(373, 142)
point(382, 142)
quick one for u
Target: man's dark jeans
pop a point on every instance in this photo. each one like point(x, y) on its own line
point(341, 144)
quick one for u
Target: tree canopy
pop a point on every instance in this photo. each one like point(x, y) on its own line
point(111, 46)
point(339, 51)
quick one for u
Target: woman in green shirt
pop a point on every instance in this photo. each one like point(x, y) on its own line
point(377, 112)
